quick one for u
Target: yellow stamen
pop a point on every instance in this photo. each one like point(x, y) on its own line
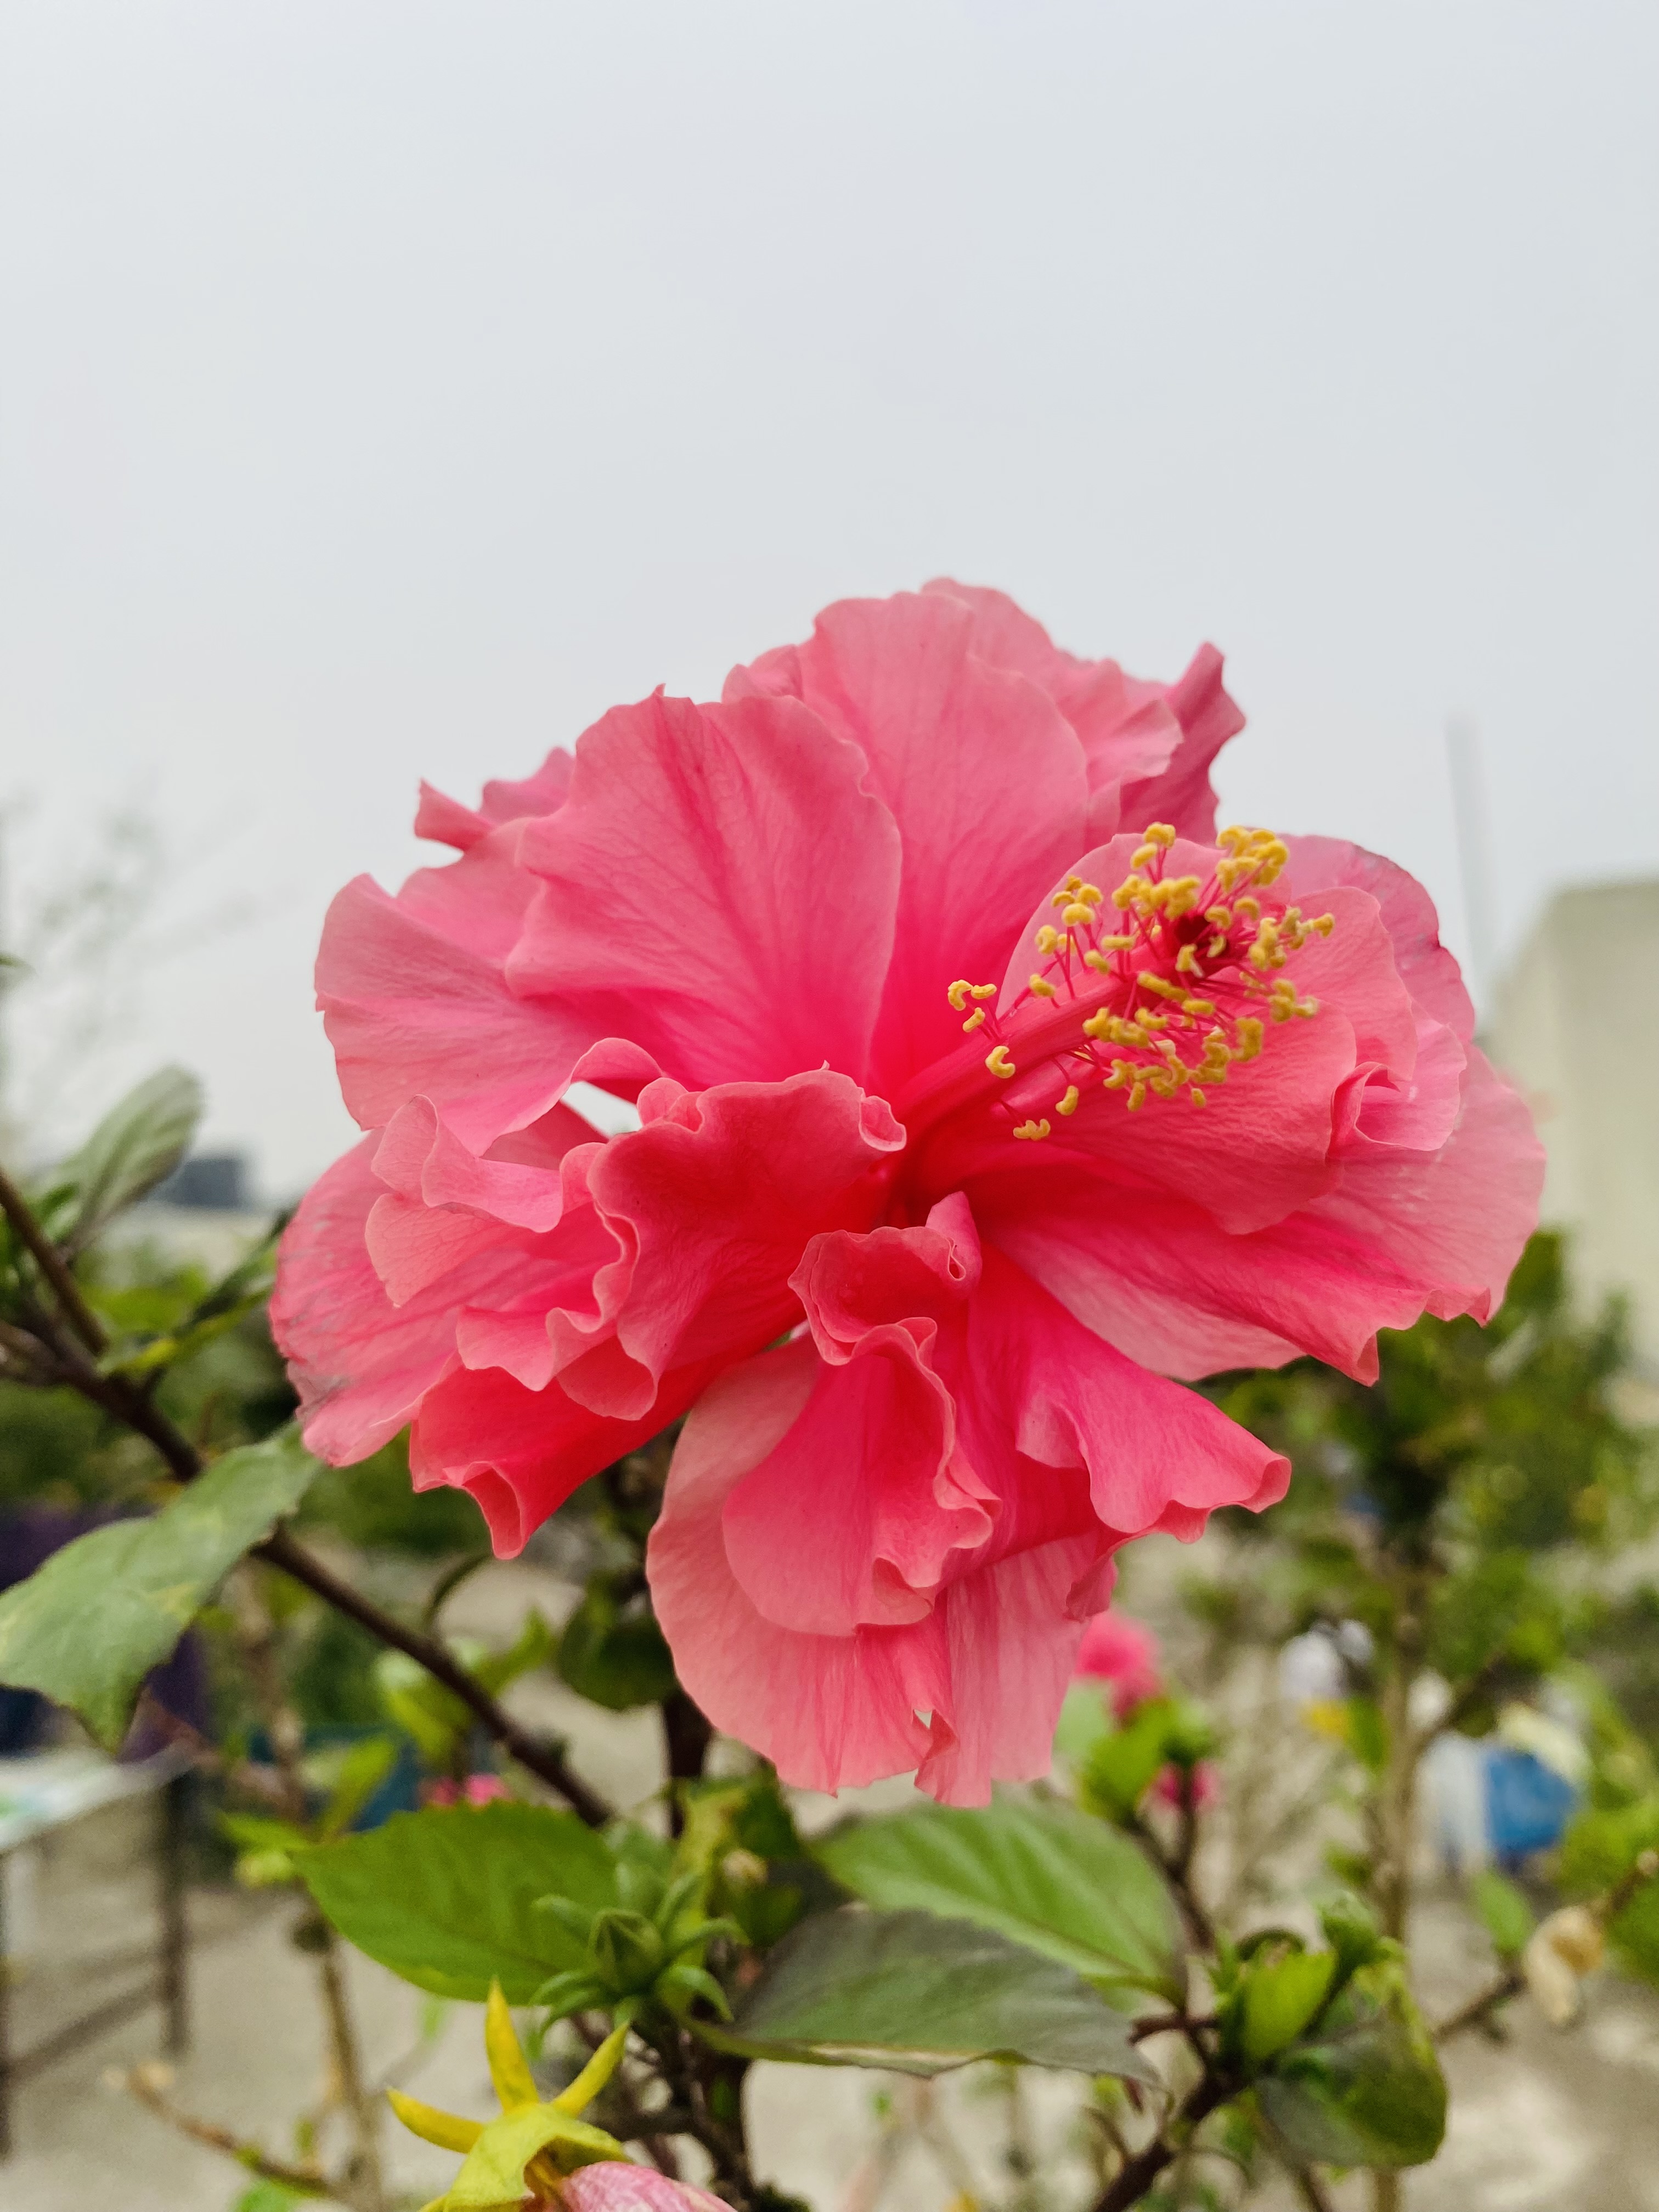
point(1069, 1103)
point(1040, 987)
point(975, 1020)
point(1036, 1130)
point(997, 1061)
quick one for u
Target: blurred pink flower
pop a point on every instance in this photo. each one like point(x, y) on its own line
point(1123, 1654)
point(612, 2186)
point(769, 923)
point(1206, 1786)
point(481, 1789)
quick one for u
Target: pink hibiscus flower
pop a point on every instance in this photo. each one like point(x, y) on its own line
point(1123, 1655)
point(922, 1187)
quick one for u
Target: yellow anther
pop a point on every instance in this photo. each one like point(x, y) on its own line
point(1069, 1103)
point(983, 991)
point(1074, 883)
point(1250, 908)
point(1196, 1095)
point(1046, 936)
point(1222, 916)
point(1033, 1129)
point(1039, 984)
point(975, 1020)
point(1199, 1006)
point(1090, 894)
point(1144, 855)
point(1097, 961)
point(997, 1061)
point(1234, 837)
point(1325, 924)
point(1159, 833)
point(1186, 960)
point(1076, 914)
point(959, 991)
point(1120, 944)
point(1137, 1095)
point(1250, 1032)
point(1150, 1020)
point(1147, 981)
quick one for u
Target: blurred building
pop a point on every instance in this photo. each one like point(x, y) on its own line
point(1577, 1025)
point(206, 1212)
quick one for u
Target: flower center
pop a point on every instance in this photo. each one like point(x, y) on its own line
point(1153, 989)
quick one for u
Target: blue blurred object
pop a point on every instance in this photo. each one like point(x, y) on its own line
point(400, 1792)
point(24, 1717)
point(1527, 1804)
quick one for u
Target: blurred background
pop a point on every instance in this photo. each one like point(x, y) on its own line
point(390, 387)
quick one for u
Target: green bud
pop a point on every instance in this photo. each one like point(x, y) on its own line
point(627, 1950)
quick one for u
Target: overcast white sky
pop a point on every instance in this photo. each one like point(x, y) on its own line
point(386, 388)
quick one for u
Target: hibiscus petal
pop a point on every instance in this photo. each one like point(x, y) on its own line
point(984, 779)
point(831, 1711)
point(520, 1453)
point(718, 888)
point(361, 1367)
point(447, 822)
point(709, 1205)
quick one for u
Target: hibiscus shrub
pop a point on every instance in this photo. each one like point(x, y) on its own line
point(848, 1115)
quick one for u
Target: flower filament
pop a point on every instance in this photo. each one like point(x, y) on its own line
point(1171, 980)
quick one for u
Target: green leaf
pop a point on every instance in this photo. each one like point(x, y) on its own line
point(613, 1654)
point(1508, 1918)
point(89, 1625)
point(136, 1145)
point(533, 1647)
point(1366, 2089)
point(916, 1994)
point(1117, 1773)
point(446, 1897)
point(360, 1773)
point(423, 1708)
point(1277, 2001)
point(1037, 1871)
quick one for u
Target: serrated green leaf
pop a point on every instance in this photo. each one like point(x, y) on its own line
point(1508, 1918)
point(446, 1897)
point(88, 1625)
point(1366, 2088)
point(136, 1145)
point(1037, 1871)
point(918, 1995)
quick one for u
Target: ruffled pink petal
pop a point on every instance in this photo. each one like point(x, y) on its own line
point(415, 1004)
point(833, 1711)
point(447, 822)
point(1067, 1447)
point(614, 2186)
point(1163, 1282)
point(716, 888)
point(1455, 1219)
point(1150, 746)
point(1035, 1381)
point(520, 1453)
point(1182, 794)
point(359, 1366)
point(1429, 972)
point(708, 1206)
point(984, 779)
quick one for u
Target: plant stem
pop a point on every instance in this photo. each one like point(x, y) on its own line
point(144, 2083)
point(135, 1410)
point(52, 1265)
point(1481, 2006)
point(544, 1760)
point(1134, 2179)
point(256, 1637)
